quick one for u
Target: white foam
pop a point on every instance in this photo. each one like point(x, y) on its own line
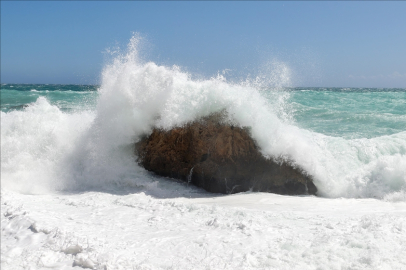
point(101, 230)
point(35, 143)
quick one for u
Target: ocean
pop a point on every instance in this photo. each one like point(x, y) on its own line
point(351, 140)
point(73, 194)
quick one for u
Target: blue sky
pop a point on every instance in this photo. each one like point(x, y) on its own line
point(342, 44)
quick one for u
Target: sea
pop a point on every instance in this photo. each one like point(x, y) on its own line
point(352, 141)
point(73, 194)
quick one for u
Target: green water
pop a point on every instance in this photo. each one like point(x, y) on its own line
point(65, 97)
point(341, 112)
point(350, 112)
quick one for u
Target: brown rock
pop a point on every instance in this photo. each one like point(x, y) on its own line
point(219, 157)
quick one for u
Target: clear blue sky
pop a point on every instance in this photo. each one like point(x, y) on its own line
point(343, 44)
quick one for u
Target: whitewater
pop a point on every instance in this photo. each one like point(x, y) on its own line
point(72, 194)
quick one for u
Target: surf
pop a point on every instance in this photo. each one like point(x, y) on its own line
point(46, 149)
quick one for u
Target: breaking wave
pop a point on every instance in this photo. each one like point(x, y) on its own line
point(44, 149)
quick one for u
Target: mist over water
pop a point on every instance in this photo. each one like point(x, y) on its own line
point(45, 148)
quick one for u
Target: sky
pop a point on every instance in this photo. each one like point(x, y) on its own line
point(324, 44)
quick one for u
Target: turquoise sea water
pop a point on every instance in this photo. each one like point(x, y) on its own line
point(343, 112)
point(66, 97)
point(350, 112)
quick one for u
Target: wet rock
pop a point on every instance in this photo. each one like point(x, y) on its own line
point(19, 107)
point(220, 158)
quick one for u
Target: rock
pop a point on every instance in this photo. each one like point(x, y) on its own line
point(19, 107)
point(220, 158)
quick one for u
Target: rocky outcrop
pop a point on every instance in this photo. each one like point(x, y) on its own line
point(219, 157)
